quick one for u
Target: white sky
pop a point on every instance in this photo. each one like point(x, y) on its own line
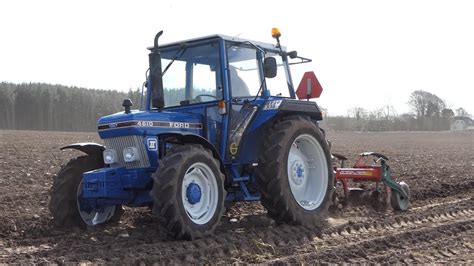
point(365, 53)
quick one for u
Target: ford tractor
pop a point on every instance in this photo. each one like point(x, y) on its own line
point(220, 122)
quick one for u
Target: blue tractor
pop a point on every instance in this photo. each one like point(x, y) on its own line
point(220, 123)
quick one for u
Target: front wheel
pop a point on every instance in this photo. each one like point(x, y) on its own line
point(67, 206)
point(188, 192)
point(295, 173)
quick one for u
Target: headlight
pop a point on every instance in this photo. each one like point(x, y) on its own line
point(110, 156)
point(130, 154)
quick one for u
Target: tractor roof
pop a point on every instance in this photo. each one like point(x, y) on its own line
point(265, 46)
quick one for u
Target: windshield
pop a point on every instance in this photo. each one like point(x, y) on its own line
point(194, 75)
point(243, 71)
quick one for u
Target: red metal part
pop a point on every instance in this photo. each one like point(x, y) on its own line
point(309, 87)
point(361, 172)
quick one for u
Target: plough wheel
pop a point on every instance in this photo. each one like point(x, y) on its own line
point(398, 202)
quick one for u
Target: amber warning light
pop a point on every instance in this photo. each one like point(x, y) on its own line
point(276, 33)
point(221, 107)
point(309, 87)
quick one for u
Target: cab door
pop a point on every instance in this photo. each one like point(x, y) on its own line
point(245, 79)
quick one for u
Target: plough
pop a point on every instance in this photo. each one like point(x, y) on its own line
point(371, 167)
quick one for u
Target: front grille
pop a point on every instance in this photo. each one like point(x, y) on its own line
point(120, 143)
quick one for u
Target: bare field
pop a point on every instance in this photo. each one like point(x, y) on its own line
point(439, 167)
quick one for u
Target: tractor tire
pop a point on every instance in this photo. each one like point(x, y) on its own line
point(295, 173)
point(63, 204)
point(188, 192)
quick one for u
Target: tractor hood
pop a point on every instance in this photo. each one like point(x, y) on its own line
point(149, 123)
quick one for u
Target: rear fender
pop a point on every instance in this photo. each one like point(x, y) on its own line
point(89, 148)
point(294, 107)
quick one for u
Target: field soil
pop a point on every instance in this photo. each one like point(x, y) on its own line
point(437, 228)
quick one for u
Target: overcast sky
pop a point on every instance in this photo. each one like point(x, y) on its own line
point(365, 53)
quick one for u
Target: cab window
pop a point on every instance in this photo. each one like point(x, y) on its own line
point(243, 71)
point(192, 74)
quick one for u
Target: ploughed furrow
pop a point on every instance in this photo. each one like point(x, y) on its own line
point(450, 246)
point(443, 190)
point(267, 242)
point(436, 228)
point(363, 212)
point(338, 237)
point(397, 246)
point(293, 244)
point(288, 243)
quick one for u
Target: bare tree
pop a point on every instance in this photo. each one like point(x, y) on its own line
point(428, 109)
point(389, 112)
point(462, 112)
point(359, 118)
point(447, 113)
point(426, 104)
point(358, 113)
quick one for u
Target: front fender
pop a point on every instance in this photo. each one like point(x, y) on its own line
point(89, 148)
point(194, 139)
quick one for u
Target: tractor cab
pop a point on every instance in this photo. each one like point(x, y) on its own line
point(217, 68)
point(226, 81)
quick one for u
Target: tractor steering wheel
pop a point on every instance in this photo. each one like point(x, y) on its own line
point(198, 97)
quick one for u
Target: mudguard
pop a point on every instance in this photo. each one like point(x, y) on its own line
point(311, 109)
point(89, 148)
point(196, 139)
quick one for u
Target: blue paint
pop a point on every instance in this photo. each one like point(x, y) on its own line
point(193, 193)
point(299, 171)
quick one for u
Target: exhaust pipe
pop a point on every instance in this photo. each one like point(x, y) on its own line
point(156, 77)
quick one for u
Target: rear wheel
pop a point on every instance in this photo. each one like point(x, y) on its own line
point(65, 203)
point(294, 174)
point(188, 192)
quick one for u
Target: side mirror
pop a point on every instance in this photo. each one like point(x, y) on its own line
point(270, 67)
point(292, 54)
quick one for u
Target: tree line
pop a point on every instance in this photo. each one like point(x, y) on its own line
point(40, 106)
point(428, 113)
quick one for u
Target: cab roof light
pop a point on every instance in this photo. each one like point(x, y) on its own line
point(276, 33)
